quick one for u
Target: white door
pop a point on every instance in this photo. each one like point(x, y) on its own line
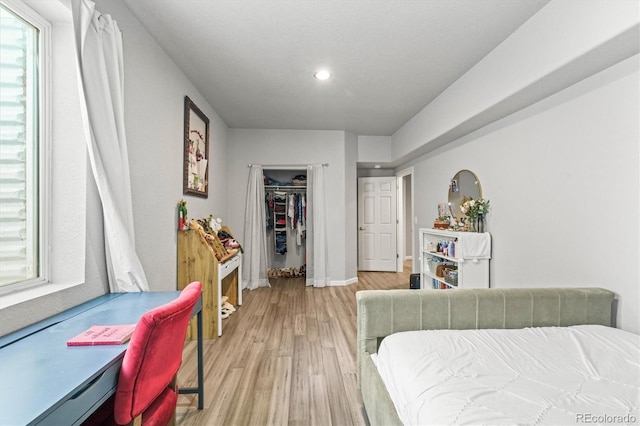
point(377, 224)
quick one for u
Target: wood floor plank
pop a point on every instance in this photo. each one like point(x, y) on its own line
point(346, 357)
point(299, 406)
point(275, 320)
point(280, 393)
point(261, 396)
point(312, 333)
point(238, 414)
point(340, 412)
point(260, 407)
point(354, 398)
point(310, 305)
point(286, 342)
point(300, 327)
point(326, 340)
point(319, 411)
point(286, 356)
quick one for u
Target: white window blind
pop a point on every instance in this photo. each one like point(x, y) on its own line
point(19, 136)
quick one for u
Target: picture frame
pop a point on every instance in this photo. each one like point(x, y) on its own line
point(196, 151)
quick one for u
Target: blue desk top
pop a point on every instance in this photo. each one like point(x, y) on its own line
point(39, 372)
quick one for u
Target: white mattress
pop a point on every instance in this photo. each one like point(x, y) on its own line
point(548, 375)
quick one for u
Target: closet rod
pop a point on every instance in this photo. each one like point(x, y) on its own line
point(285, 166)
point(285, 188)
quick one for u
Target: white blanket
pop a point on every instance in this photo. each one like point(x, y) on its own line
point(472, 245)
point(547, 375)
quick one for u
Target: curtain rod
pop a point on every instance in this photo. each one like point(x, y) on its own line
point(285, 166)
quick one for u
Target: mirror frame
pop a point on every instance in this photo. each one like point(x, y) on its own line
point(454, 205)
point(195, 122)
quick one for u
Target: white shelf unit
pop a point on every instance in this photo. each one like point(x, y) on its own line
point(472, 273)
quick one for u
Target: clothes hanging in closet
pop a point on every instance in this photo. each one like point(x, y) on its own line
point(268, 209)
point(280, 221)
point(297, 216)
point(285, 212)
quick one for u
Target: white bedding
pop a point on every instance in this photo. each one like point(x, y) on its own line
point(547, 375)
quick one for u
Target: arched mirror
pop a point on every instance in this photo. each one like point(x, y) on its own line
point(465, 184)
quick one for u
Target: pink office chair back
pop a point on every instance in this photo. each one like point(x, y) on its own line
point(152, 360)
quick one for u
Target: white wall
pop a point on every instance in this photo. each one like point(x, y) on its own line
point(563, 180)
point(295, 147)
point(408, 218)
point(351, 207)
point(563, 43)
point(154, 103)
point(154, 99)
point(374, 149)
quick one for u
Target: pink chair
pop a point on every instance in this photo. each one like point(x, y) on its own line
point(147, 393)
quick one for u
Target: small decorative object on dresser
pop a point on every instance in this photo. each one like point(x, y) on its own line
point(441, 223)
point(476, 210)
point(182, 216)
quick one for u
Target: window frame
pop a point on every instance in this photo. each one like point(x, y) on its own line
point(73, 221)
point(43, 190)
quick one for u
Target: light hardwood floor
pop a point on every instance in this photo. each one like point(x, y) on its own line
point(286, 357)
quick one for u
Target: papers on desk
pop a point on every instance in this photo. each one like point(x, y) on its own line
point(103, 335)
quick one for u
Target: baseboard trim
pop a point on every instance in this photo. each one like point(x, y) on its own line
point(344, 282)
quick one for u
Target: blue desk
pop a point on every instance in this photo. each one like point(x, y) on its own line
point(44, 380)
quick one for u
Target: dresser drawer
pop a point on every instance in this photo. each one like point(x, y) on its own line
point(86, 400)
point(229, 266)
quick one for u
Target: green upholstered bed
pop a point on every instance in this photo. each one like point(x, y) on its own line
point(384, 312)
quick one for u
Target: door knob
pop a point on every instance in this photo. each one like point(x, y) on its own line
point(362, 228)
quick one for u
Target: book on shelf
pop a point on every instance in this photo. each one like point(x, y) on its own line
point(103, 335)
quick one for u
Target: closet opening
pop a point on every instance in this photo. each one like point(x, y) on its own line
point(312, 254)
point(286, 222)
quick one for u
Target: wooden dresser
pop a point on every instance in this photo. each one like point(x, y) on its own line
point(197, 262)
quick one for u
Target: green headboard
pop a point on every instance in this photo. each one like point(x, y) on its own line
point(383, 312)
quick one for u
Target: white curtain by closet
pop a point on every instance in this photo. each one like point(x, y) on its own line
point(254, 266)
point(100, 69)
point(317, 248)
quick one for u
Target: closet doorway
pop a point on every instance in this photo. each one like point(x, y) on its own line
point(315, 251)
point(286, 201)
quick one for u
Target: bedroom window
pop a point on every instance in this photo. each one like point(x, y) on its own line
point(22, 137)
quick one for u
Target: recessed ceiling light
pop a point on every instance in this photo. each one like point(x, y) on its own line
point(377, 166)
point(322, 75)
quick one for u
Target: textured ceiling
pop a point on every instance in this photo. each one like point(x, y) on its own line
point(253, 61)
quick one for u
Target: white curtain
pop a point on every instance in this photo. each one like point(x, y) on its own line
point(317, 247)
point(254, 266)
point(100, 70)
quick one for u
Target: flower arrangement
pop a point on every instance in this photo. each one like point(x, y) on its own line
point(472, 208)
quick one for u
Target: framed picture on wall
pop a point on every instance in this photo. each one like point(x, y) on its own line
point(196, 151)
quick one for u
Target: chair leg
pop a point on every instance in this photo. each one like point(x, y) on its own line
point(136, 421)
point(173, 385)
